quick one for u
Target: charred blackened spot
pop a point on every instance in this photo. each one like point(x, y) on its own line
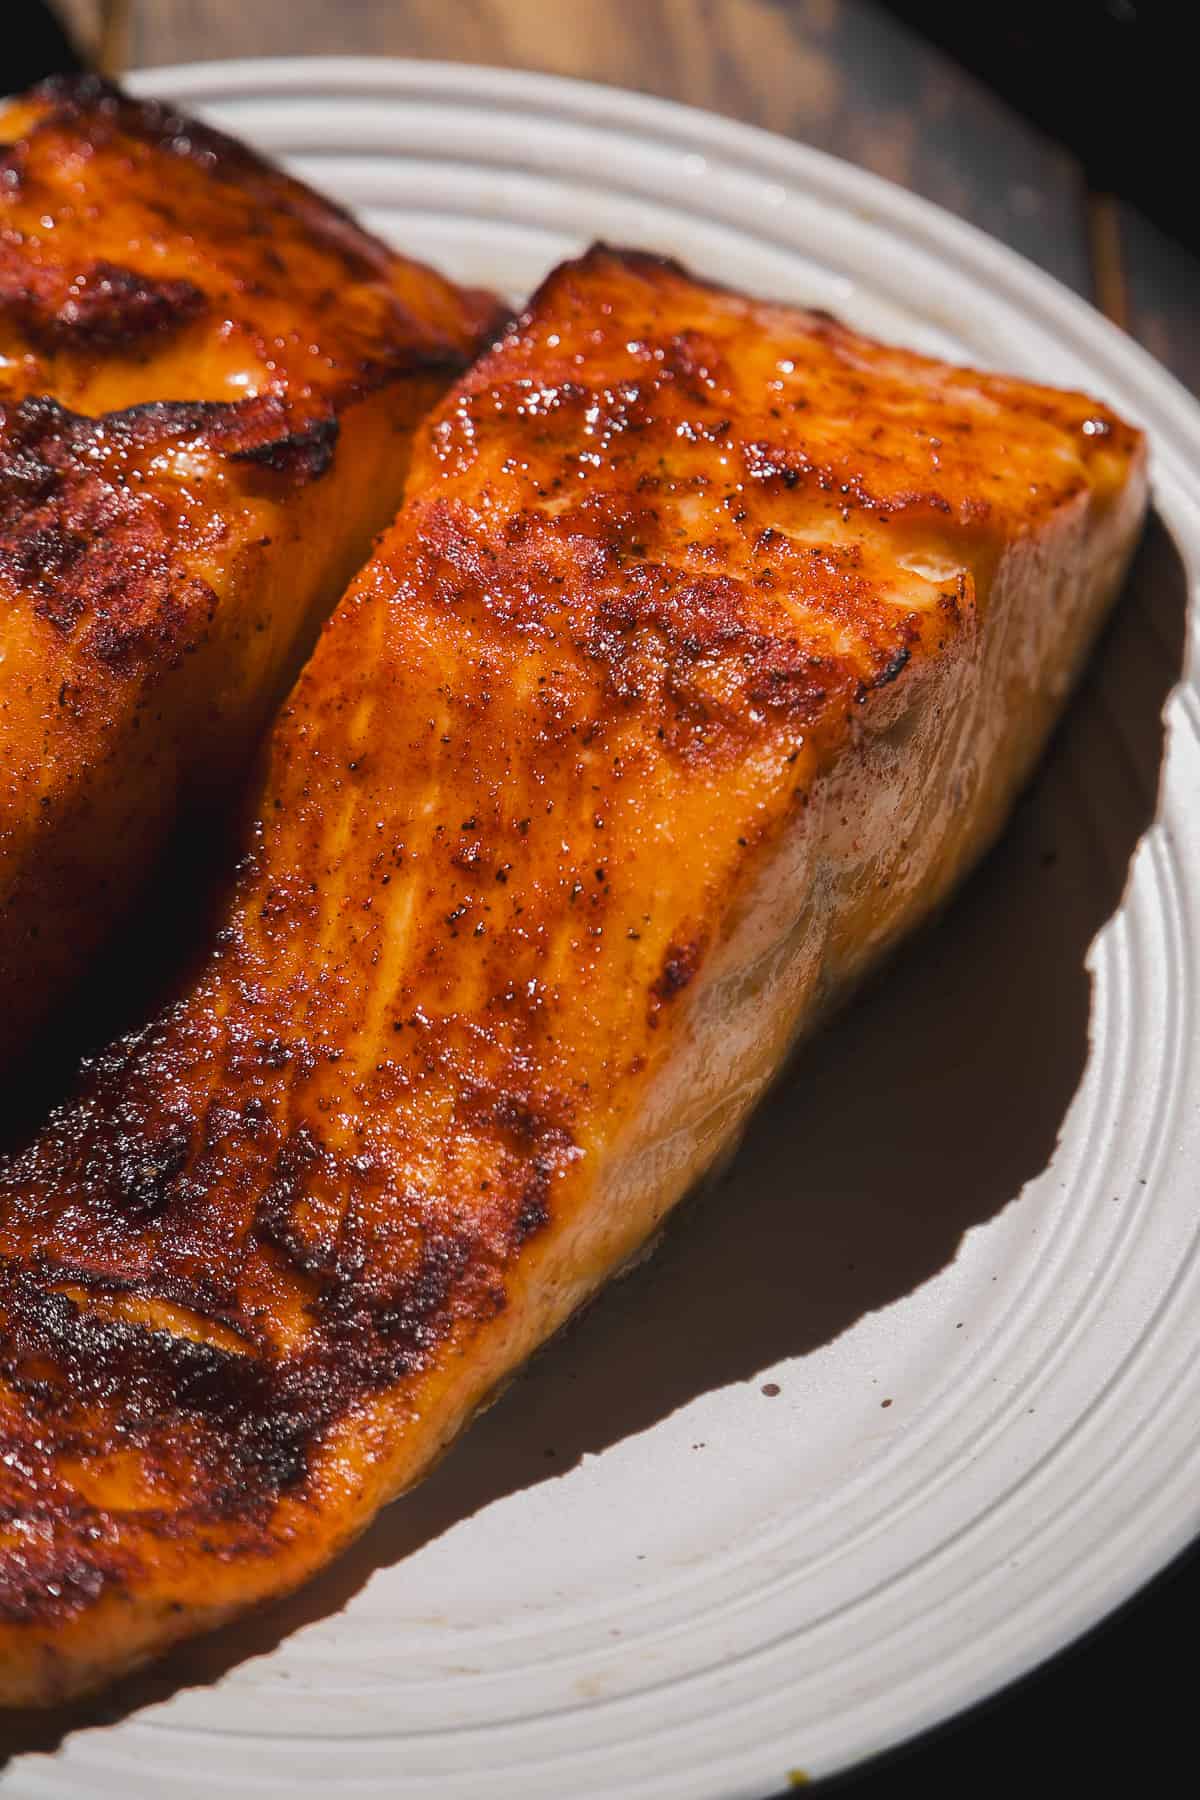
point(533, 1213)
point(255, 1429)
point(106, 308)
point(894, 667)
point(275, 1221)
point(88, 548)
point(412, 1317)
point(269, 1440)
point(222, 1406)
point(201, 1298)
point(146, 1172)
point(32, 437)
point(303, 454)
point(679, 967)
point(271, 1451)
point(261, 431)
point(43, 556)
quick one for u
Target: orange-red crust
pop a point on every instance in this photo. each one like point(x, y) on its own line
point(710, 647)
point(208, 379)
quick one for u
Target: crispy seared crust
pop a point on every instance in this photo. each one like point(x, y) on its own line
point(709, 650)
point(208, 377)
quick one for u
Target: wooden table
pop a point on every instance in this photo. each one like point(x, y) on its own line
point(843, 75)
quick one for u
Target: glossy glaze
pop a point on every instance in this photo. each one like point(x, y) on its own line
point(710, 648)
point(208, 378)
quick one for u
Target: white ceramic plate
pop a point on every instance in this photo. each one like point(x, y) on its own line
point(960, 1242)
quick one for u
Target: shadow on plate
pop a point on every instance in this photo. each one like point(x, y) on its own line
point(918, 1114)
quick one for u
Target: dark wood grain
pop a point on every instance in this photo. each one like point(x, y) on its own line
point(840, 74)
point(86, 21)
point(1163, 284)
point(82, 19)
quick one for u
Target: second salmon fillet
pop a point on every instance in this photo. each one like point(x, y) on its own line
point(709, 651)
point(209, 378)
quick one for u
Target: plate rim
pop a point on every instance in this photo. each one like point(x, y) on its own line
point(1172, 414)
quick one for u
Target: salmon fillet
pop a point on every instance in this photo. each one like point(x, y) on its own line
point(710, 648)
point(208, 380)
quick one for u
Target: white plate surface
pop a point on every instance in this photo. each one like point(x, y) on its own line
point(960, 1241)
